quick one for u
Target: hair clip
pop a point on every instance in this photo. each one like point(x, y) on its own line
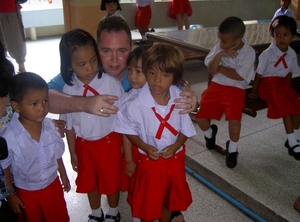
point(275, 23)
point(82, 34)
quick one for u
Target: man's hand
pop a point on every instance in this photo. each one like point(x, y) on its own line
point(61, 125)
point(101, 105)
point(189, 103)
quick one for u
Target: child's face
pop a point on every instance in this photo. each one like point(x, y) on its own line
point(111, 7)
point(285, 3)
point(33, 107)
point(282, 38)
point(227, 41)
point(159, 82)
point(136, 76)
point(84, 63)
point(3, 102)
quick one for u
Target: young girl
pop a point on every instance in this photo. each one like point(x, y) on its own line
point(112, 8)
point(94, 148)
point(181, 10)
point(151, 123)
point(35, 154)
point(273, 80)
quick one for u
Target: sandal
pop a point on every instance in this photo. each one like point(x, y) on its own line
point(297, 205)
point(177, 216)
point(116, 218)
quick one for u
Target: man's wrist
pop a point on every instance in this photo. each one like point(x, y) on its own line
point(196, 111)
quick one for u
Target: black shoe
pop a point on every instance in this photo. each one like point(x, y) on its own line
point(231, 158)
point(290, 150)
point(211, 142)
point(142, 42)
point(292, 153)
point(116, 218)
point(176, 215)
point(99, 219)
point(152, 30)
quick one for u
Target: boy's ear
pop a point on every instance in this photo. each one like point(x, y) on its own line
point(15, 106)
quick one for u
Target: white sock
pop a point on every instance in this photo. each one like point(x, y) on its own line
point(292, 140)
point(97, 212)
point(296, 133)
point(144, 37)
point(112, 212)
point(208, 133)
point(134, 219)
point(232, 147)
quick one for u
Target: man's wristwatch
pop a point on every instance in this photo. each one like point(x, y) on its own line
point(196, 111)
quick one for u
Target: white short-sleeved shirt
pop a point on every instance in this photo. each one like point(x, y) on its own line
point(89, 126)
point(289, 12)
point(129, 95)
point(143, 3)
point(137, 118)
point(243, 64)
point(269, 57)
point(33, 164)
point(117, 13)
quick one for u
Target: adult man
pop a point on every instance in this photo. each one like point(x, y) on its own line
point(114, 46)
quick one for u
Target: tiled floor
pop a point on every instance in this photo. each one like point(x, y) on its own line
point(43, 59)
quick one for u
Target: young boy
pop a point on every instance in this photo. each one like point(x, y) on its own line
point(284, 9)
point(231, 65)
point(35, 154)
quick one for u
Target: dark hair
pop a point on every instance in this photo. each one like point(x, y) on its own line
point(7, 72)
point(69, 43)
point(285, 21)
point(103, 2)
point(167, 58)
point(23, 83)
point(113, 24)
point(137, 53)
point(233, 25)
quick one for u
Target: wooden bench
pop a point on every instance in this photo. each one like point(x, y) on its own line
point(253, 105)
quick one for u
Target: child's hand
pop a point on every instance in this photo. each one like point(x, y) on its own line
point(130, 168)
point(15, 203)
point(170, 151)
point(65, 183)
point(229, 52)
point(253, 94)
point(61, 125)
point(152, 152)
point(74, 162)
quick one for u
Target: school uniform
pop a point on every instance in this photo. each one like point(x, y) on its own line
point(274, 88)
point(144, 13)
point(34, 166)
point(289, 12)
point(117, 13)
point(161, 182)
point(180, 6)
point(225, 94)
point(98, 148)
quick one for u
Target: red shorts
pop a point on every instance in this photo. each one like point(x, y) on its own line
point(217, 99)
point(281, 98)
point(99, 164)
point(143, 17)
point(160, 183)
point(44, 205)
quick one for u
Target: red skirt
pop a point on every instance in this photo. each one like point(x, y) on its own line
point(281, 98)
point(180, 6)
point(143, 17)
point(160, 183)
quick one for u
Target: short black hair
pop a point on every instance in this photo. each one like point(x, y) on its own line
point(103, 2)
point(113, 24)
point(286, 21)
point(7, 72)
point(137, 53)
point(233, 25)
point(24, 82)
point(69, 43)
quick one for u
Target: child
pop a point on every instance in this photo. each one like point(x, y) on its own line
point(284, 9)
point(273, 80)
point(142, 19)
point(112, 8)
point(181, 10)
point(231, 65)
point(150, 123)
point(94, 148)
point(35, 154)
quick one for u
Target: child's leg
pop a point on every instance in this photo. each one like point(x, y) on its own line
point(210, 132)
point(113, 202)
point(291, 123)
point(95, 204)
point(179, 21)
point(166, 215)
point(186, 21)
point(296, 125)
point(231, 145)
